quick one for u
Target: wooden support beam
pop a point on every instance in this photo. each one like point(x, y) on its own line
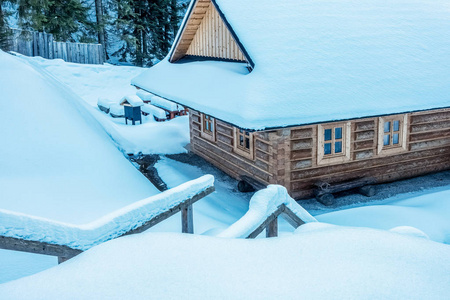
point(159, 218)
point(272, 229)
point(10, 243)
point(291, 218)
point(264, 225)
point(187, 220)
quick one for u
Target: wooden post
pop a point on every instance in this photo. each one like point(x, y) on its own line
point(187, 220)
point(272, 228)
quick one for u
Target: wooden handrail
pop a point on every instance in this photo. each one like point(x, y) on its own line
point(64, 252)
point(265, 208)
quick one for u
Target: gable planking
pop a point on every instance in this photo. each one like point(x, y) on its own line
point(206, 34)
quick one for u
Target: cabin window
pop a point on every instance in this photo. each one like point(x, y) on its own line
point(333, 143)
point(208, 127)
point(392, 134)
point(243, 143)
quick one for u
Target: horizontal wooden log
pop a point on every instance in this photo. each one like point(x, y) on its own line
point(10, 243)
point(327, 188)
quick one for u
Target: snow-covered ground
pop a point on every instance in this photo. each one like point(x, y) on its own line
point(91, 82)
point(60, 163)
point(319, 261)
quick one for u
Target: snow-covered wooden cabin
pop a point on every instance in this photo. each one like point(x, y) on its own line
point(299, 92)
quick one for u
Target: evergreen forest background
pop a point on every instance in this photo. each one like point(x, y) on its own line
point(139, 32)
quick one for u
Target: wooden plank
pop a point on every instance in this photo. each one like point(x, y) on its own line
point(10, 243)
point(291, 218)
point(264, 225)
point(272, 229)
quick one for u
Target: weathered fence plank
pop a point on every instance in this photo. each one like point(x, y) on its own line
point(43, 44)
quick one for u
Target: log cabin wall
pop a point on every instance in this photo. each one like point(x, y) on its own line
point(426, 149)
point(220, 151)
point(291, 156)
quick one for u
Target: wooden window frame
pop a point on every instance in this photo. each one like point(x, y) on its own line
point(334, 158)
point(392, 149)
point(205, 133)
point(243, 151)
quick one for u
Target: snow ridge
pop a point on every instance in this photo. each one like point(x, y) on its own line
point(262, 205)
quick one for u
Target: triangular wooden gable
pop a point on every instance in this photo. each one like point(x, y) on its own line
point(207, 34)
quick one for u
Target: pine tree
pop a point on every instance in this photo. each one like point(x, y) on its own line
point(66, 20)
point(5, 33)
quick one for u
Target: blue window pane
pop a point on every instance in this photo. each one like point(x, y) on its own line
point(211, 126)
point(395, 139)
point(327, 149)
point(247, 143)
point(396, 125)
point(327, 134)
point(338, 133)
point(338, 147)
point(207, 126)
point(241, 140)
point(386, 139)
point(387, 126)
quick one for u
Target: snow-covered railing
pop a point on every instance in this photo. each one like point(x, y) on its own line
point(265, 208)
point(26, 233)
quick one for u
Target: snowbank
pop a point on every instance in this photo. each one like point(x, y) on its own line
point(90, 82)
point(106, 228)
point(56, 160)
point(318, 262)
point(262, 205)
point(428, 212)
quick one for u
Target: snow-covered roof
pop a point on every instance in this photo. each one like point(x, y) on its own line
point(133, 100)
point(318, 61)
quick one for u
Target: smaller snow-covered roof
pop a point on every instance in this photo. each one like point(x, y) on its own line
point(133, 100)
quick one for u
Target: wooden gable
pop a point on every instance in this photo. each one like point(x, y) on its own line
point(206, 34)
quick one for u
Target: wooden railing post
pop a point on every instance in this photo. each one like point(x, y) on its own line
point(187, 219)
point(272, 228)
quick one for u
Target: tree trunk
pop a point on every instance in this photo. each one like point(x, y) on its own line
point(101, 26)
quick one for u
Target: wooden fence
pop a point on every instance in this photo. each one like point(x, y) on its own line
point(42, 44)
point(65, 252)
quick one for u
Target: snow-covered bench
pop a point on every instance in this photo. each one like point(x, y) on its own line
point(116, 111)
point(145, 96)
point(159, 114)
point(171, 107)
point(104, 104)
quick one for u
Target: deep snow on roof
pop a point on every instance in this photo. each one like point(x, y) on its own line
point(319, 61)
